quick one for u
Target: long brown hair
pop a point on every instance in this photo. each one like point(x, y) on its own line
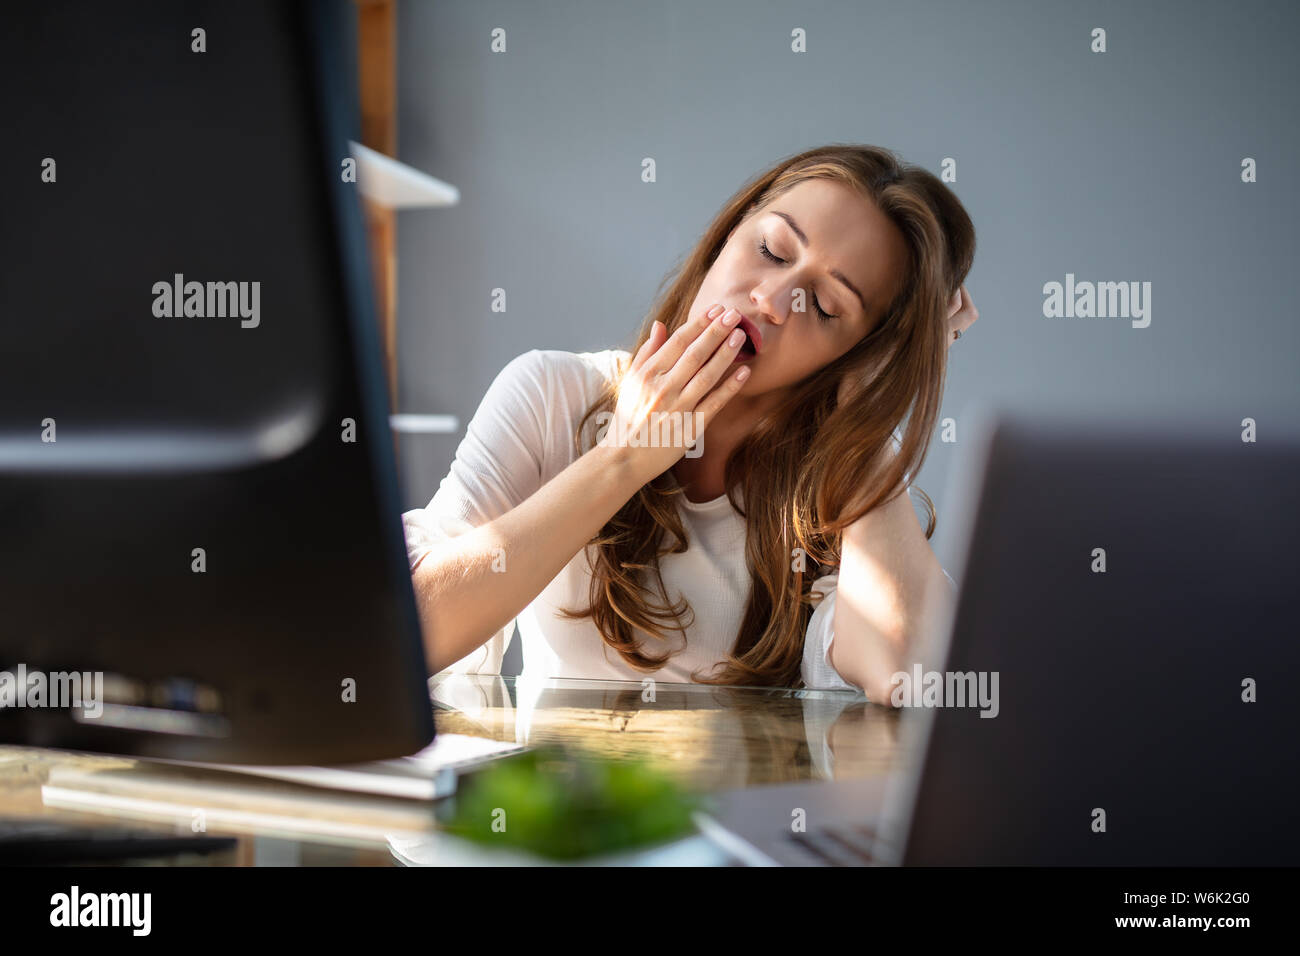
point(806, 463)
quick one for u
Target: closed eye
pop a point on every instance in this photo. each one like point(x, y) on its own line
point(822, 313)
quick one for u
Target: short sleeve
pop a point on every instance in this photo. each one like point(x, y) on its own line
point(817, 672)
point(497, 467)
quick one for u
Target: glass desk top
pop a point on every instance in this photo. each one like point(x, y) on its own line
point(709, 738)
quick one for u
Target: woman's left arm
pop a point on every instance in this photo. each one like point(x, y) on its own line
point(884, 597)
point(888, 579)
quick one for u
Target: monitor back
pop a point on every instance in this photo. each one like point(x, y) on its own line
point(198, 497)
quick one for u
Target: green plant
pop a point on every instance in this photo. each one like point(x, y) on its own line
point(564, 805)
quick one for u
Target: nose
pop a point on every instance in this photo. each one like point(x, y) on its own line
point(764, 304)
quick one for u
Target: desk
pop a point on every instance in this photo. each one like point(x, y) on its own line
point(709, 738)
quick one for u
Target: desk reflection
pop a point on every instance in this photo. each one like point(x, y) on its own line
point(709, 738)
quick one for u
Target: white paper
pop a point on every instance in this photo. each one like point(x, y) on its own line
point(426, 775)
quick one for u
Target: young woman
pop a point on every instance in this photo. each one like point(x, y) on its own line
point(783, 550)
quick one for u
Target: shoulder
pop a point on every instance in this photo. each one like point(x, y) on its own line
point(600, 367)
point(550, 391)
point(573, 373)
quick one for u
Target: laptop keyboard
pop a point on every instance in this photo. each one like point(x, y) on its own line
point(847, 845)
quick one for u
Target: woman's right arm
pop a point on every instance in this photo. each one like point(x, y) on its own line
point(463, 595)
point(463, 598)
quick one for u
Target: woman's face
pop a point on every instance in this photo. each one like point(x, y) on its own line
point(837, 249)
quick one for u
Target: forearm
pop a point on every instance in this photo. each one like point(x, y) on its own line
point(885, 598)
point(463, 595)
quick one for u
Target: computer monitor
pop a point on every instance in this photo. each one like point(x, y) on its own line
point(198, 497)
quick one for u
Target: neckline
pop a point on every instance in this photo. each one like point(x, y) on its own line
point(709, 505)
point(713, 504)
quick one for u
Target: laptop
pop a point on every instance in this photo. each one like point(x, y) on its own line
point(1132, 585)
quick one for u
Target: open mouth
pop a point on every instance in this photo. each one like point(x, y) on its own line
point(746, 350)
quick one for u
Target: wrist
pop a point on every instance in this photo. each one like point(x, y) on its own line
point(618, 467)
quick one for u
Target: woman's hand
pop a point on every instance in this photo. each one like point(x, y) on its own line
point(668, 394)
point(961, 316)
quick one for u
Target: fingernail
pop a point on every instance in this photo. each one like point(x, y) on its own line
point(736, 338)
point(715, 311)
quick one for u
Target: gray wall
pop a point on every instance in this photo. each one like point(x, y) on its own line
point(1115, 166)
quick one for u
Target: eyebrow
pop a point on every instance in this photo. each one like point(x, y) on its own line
point(834, 272)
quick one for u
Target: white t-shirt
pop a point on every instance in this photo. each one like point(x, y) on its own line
point(520, 438)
